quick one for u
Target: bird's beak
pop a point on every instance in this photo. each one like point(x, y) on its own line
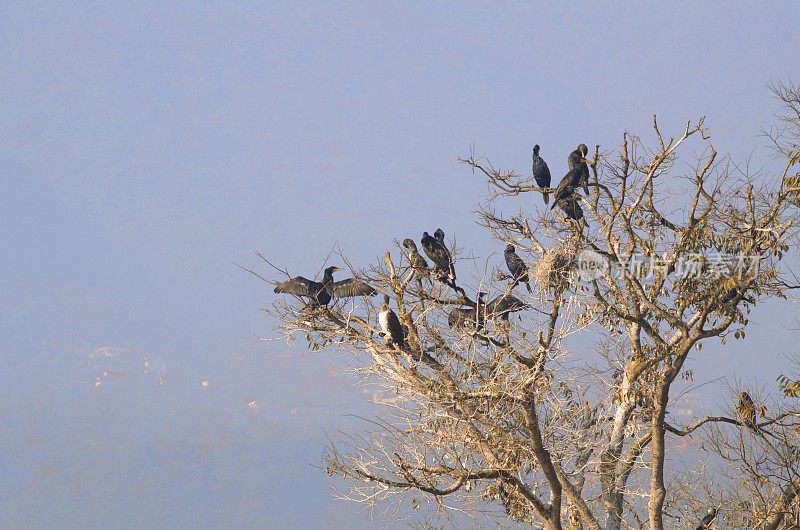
point(336, 269)
point(585, 161)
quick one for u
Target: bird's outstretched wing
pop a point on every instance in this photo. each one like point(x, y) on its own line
point(351, 287)
point(298, 286)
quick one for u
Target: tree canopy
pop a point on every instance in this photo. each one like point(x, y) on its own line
point(500, 418)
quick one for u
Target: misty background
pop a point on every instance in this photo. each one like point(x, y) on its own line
point(145, 147)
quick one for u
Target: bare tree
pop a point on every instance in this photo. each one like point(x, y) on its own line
point(502, 419)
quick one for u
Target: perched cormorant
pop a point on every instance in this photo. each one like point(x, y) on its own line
point(438, 253)
point(320, 293)
point(566, 188)
point(578, 175)
point(439, 235)
point(747, 410)
point(390, 325)
point(517, 267)
point(541, 173)
point(572, 208)
point(473, 316)
point(418, 263)
point(706, 521)
point(504, 305)
point(577, 158)
point(731, 294)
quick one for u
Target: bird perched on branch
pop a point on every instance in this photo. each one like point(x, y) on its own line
point(572, 208)
point(500, 307)
point(573, 179)
point(436, 250)
point(708, 519)
point(461, 317)
point(390, 324)
point(418, 263)
point(541, 173)
point(517, 267)
point(747, 410)
point(320, 293)
point(504, 305)
point(730, 294)
point(577, 158)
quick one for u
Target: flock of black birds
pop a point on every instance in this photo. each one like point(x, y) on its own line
point(320, 294)
point(578, 176)
point(398, 334)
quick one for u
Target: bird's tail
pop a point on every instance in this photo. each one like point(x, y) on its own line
point(546, 197)
point(528, 285)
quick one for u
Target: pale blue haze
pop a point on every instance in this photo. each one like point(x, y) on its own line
point(144, 147)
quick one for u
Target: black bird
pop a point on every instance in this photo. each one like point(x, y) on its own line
point(390, 325)
point(473, 316)
point(577, 158)
point(517, 267)
point(731, 294)
point(504, 305)
point(747, 410)
point(438, 253)
point(439, 235)
point(706, 521)
point(566, 188)
point(572, 208)
point(541, 173)
point(460, 317)
point(320, 293)
point(418, 263)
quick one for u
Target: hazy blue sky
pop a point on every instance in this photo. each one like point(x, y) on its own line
point(144, 147)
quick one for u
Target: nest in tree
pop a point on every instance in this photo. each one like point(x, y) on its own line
point(554, 268)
